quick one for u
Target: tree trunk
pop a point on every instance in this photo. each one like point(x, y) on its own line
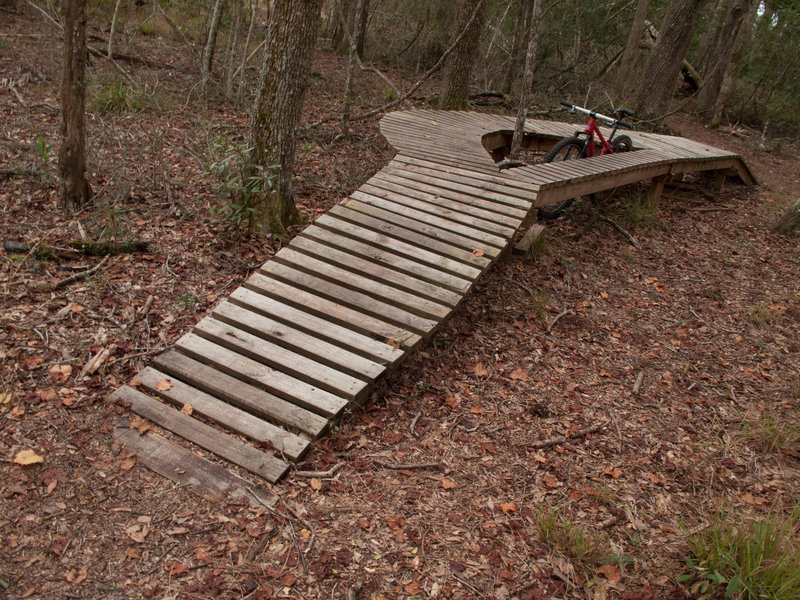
point(343, 17)
point(75, 189)
point(211, 41)
point(348, 84)
point(664, 63)
point(230, 76)
point(362, 16)
point(522, 14)
point(458, 68)
point(707, 97)
point(631, 47)
point(527, 80)
point(789, 224)
point(726, 89)
point(709, 40)
point(292, 35)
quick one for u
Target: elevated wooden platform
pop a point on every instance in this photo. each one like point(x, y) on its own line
point(308, 336)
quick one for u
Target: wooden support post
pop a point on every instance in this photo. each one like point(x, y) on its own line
point(526, 241)
point(719, 182)
point(656, 188)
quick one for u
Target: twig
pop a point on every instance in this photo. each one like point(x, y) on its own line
point(19, 98)
point(81, 275)
point(320, 474)
point(560, 439)
point(308, 526)
point(613, 420)
point(707, 208)
point(624, 233)
point(408, 466)
point(413, 423)
point(637, 385)
point(46, 16)
point(137, 355)
point(563, 313)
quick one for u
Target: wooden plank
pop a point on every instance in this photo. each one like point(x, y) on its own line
point(377, 272)
point(344, 338)
point(296, 392)
point(412, 215)
point(502, 213)
point(247, 397)
point(427, 204)
point(330, 354)
point(410, 236)
point(205, 436)
point(432, 233)
point(335, 312)
point(211, 481)
point(379, 240)
point(225, 414)
point(495, 178)
point(394, 261)
point(355, 298)
point(287, 362)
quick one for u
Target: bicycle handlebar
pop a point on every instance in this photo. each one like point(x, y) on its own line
point(597, 115)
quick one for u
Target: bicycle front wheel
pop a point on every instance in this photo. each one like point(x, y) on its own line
point(567, 149)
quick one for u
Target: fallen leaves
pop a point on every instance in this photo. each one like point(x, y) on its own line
point(518, 375)
point(28, 457)
point(448, 484)
point(480, 370)
point(76, 576)
point(611, 571)
point(164, 385)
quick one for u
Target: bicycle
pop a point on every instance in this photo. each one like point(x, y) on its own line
point(582, 145)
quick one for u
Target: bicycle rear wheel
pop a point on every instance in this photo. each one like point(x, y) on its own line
point(567, 149)
point(621, 143)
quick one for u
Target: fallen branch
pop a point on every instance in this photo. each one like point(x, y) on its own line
point(110, 248)
point(320, 474)
point(408, 466)
point(552, 323)
point(81, 275)
point(637, 385)
point(97, 361)
point(624, 233)
point(560, 439)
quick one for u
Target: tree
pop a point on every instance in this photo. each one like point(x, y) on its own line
point(664, 62)
point(75, 189)
point(291, 36)
point(527, 80)
point(707, 97)
point(458, 68)
point(211, 41)
point(521, 24)
point(631, 47)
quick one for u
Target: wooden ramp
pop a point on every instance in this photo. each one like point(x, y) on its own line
point(307, 337)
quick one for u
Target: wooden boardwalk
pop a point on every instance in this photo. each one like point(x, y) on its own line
point(311, 332)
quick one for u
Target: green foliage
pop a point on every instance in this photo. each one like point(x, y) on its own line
point(188, 300)
point(115, 95)
point(43, 149)
point(639, 210)
point(563, 534)
point(772, 434)
point(736, 557)
point(539, 301)
point(239, 184)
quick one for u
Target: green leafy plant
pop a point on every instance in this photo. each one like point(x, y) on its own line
point(743, 558)
point(563, 534)
point(188, 300)
point(43, 149)
point(639, 210)
point(771, 434)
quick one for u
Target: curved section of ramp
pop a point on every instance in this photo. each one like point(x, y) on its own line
point(310, 333)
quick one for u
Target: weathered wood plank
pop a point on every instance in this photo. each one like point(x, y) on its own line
point(296, 392)
point(225, 414)
point(241, 394)
point(277, 357)
point(408, 283)
point(205, 436)
point(292, 338)
point(211, 481)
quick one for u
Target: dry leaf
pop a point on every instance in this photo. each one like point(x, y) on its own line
point(478, 252)
point(51, 486)
point(76, 308)
point(476, 410)
point(614, 472)
point(551, 482)
point(140, 425)
point(289, 580)
point(508, 507)
point(519, 375)
point(60, 373)
point(164, 385)
point(480, 370)
point(187, 410)
point(75, 576)
point(178, 568)
point(27, 457)
point(612, 572)
point(315, 484)
point(750, 499)
point(413, 587)
point(5, 398)
point(134, 383)
point(448, 484)
point(128, 463)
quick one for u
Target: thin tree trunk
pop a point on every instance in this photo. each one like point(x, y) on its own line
point(344, 23)
point(728, 81)
point(362, 17)
point(75, 189)
point(527, 80)
point(522, 14)
point(230, 77)
point(291, 39)
point(211, 41)
point(458, 68)
point(348, 85)
point(709, 40)
point(242, 70)
point(712, 82)
point(664, 63)
point(113, 28)
point(631, 47)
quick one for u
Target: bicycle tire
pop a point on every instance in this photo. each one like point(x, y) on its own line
point(566, 149)
point(621, 143)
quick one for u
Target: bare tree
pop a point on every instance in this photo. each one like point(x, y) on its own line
point(632, 47)
point(458, 68)
point(527, 80)
point(75, 189)
point(291, 36)
point(211, 41)
point(664, 63)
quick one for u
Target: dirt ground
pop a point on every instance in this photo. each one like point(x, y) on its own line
point(448, 484)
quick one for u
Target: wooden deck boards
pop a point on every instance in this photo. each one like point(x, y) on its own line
point(350, 298)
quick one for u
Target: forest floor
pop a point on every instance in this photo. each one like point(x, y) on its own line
point(706, 312)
